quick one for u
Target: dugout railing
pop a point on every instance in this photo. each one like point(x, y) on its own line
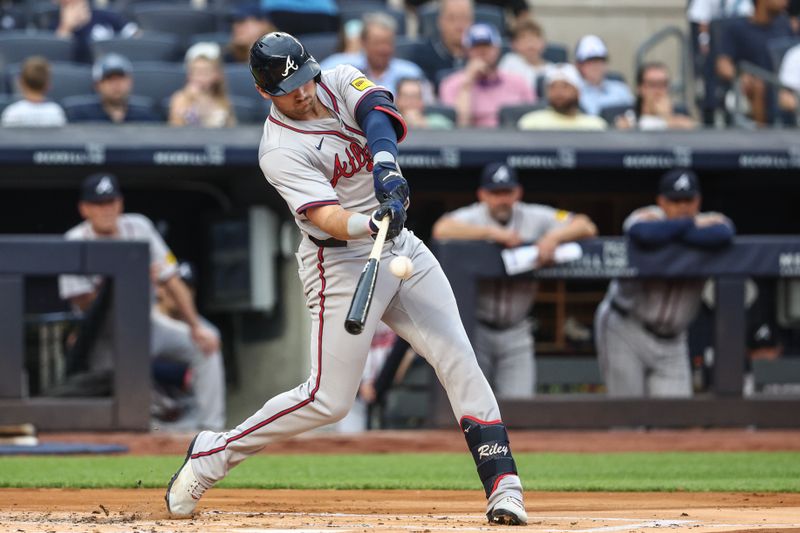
point(126, 264)
point(465, 262)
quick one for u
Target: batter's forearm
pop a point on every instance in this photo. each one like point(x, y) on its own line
point(338, 222)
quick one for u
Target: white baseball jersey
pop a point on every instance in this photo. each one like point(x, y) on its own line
point(322, 162)
point(505, 302)
point(131, 227)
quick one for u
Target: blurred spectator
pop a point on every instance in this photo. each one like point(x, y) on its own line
point(702, 12)
point(377, 60)
point(411, 104)
point(525, 57)
point(503, 338)
point(641, 325)
point(79, 21)
point(303, 16)
point(654, 109)
point(597, 91)
point(186, 339)
point(248, 25)
point(790, 77)
point(748, 40)
point(113, 81)
point(563, 86)
point(479, 90)
point(204, 99)
point(34, 109)
point(446, 51)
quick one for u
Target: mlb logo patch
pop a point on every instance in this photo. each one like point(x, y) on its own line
point(362, 83)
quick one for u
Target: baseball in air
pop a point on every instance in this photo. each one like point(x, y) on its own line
point(401, 266)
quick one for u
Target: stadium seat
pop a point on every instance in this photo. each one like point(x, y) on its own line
point(408, 49)
point(178, 20)
point(150, 46)
point(240, 81)
point(222, 38)
point(44, 16)
point(16, 46)
point(444, 110)
point(66, 79)
point(510, 115)
point(157, 79)
point(321, 45)
point(249, 110)
point(428, 14)
point(610, 114)
point(555, 53)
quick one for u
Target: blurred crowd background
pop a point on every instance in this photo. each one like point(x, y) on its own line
point(451, 63)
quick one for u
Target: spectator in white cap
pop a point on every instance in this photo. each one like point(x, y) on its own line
point(203, 101)
point(598, 92)
point(479, 90)
point(563, 113)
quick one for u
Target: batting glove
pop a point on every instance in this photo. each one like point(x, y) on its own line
point(397, 214)
point(389, 183)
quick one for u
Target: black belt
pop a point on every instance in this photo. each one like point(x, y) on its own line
point(621, 311)
point(327, 243)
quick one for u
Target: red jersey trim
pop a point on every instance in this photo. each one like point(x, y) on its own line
point(317, 203)
point(313, 394)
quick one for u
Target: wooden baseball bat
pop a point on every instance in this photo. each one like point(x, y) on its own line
point(362, 297)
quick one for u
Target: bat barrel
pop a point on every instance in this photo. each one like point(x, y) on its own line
point(362, 298)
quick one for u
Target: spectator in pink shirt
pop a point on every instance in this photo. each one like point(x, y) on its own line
point(479, 90)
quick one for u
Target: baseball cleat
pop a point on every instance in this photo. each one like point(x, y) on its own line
point(508, 512)
point(184, 489)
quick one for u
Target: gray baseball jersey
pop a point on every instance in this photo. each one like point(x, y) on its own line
point(504, 344)
point(640, 330)
point(326, 162)
point(169, 338)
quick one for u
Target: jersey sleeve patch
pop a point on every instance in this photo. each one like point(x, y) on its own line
point(362, 83)
point(562, 215)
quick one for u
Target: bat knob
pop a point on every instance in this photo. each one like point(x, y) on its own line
point(353, 327)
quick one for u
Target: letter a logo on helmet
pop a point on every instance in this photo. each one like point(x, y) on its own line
point(290, 65)
point(280, 64)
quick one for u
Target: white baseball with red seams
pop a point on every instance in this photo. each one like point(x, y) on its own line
point(327, 162)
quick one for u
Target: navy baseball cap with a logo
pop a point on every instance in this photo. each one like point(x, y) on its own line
point(100, 188)
point(679, 184)
point(498, 176)
point(481, 33)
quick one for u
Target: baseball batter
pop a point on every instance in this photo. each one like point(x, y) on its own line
point(329, 148)
point(504, 341)
point(640, 327)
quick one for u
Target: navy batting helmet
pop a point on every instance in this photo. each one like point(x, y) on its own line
point(280, 63)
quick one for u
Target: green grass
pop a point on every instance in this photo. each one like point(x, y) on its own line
point(763, 472)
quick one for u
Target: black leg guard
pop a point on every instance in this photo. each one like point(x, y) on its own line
point(488, 442)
